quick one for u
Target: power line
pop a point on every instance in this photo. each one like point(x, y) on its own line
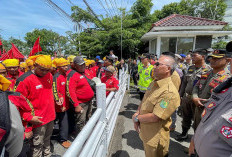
point(113, 7)
point(60, 11)
point(100, 2)
point(86, 3)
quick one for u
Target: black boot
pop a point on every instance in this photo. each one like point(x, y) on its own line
point(184, 135)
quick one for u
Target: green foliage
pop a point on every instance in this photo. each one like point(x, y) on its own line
point(49, 41)
point(211, 9)
point(219, 45)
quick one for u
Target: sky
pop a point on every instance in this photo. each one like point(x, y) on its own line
point(21, 16)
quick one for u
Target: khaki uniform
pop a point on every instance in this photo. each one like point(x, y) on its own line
point(161, 99)
point(204, 88)
point(213, 137)
point(176, 80)
point(187, 105)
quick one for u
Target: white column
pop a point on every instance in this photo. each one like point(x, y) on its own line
point(150, 46)
point(194, 43)
point(158, 46)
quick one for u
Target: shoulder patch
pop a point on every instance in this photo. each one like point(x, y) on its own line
point(163, 104)
point(226, 131)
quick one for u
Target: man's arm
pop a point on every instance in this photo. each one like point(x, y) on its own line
point(148, 118)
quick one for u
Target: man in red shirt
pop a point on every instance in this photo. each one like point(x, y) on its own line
point(61, 101)
point(80, 93)
point(36, 86)
point(94, 68)
point(13, 72)
point(112, 84)
point(70, 60)
point(88, 71)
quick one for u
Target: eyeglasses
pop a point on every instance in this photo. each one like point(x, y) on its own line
point(158, 63)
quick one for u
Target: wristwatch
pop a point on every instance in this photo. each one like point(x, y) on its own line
point(136, 118)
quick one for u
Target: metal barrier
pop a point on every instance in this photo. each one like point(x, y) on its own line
point(94, 139)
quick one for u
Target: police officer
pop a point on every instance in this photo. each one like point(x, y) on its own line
point(213, 135)
point(193, 75)
point(209, 80)
point(144, 74)
point(153, 116)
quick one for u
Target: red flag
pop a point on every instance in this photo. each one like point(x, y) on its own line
point(14, 52)
point(10, 54)
point(4, 57)
point(0, 43)
point(36, 48)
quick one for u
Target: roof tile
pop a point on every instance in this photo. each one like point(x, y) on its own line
point(184, 20)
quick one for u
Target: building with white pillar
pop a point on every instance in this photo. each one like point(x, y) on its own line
point(180, 34)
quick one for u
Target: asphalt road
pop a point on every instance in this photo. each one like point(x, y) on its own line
point(126, 142)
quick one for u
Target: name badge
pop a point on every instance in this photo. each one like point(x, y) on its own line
point(39, 86)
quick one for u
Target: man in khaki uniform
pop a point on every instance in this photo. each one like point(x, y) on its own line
point(176, 81)
point(153, 117)
point(208, 81)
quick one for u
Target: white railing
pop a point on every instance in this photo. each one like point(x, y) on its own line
point(94, 139)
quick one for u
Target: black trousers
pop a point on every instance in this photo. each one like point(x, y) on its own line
point(71, 119)
point(63, 125)
point(134, 79)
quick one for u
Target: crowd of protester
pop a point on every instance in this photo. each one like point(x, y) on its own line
point(202, 95)
point(46, 97)
point(44, 94)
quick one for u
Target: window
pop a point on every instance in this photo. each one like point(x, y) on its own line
point(177, 44)
point(184, 45)
point(168, 44)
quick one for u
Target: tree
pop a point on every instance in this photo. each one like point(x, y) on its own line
point(50, 41)
point(211, 9)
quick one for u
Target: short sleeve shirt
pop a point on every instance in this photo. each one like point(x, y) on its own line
point(161, 99)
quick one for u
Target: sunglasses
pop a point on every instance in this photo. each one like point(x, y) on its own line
point(158, 64)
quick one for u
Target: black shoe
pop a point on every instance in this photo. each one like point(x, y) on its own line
point(181, 137)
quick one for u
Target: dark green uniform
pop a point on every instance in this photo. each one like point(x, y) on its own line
point(204, 88)
point(188, 107)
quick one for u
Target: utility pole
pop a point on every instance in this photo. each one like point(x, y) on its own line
point(121, 35)
point(79, 40)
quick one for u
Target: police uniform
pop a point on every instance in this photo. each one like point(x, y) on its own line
point(204, 88)
point(213, 137)
point(188, 107)
point(161, 99)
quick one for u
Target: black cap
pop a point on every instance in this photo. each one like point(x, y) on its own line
point(220, 54)
point(229, 47)
point(145, 55)
point(78, 60)
point(200, 51)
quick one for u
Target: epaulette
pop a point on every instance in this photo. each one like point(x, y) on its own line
point(221, 72)
point(205, 75)
point(223, 86)
point(191, 69)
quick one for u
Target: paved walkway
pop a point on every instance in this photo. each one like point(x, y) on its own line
point(126, 142)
